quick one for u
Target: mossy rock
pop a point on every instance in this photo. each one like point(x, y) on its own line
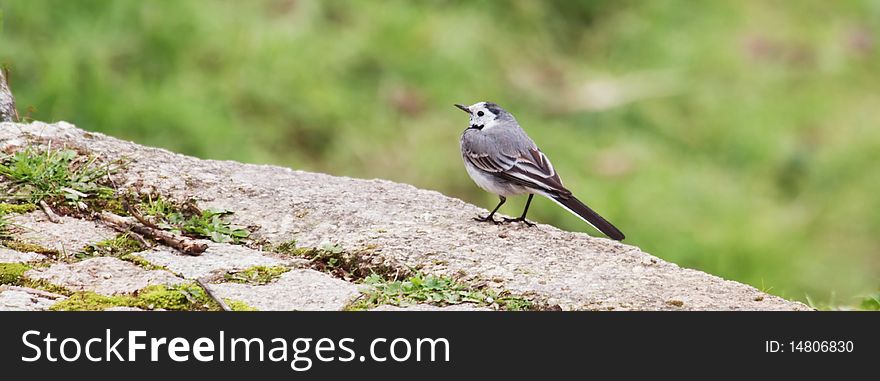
point(185, 297)
point(12, 273)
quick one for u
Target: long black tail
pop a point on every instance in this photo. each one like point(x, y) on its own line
point(591, 217)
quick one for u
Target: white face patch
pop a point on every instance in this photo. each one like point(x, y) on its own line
point(481, 117)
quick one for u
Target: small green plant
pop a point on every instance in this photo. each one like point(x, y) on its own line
point(871, 303)
point(764, 288)
point(123, 247)
point(288, 247)
point(56, 174)
point(436, 290)
point(191, 221)
point(158, 207)
point(863, 303)
point(118, 246)
point(257, 275)
point(341, 263)
point(210, 224)
point(332, 248)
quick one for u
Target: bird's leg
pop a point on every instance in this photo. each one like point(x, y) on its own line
point(523, 217)
point(489, 217)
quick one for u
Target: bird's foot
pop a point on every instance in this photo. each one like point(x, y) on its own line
point(487, 219)
point(523, 220)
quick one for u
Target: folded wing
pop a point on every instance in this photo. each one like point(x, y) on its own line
point(532, 169)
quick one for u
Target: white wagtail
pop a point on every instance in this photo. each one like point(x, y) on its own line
point(503, 160)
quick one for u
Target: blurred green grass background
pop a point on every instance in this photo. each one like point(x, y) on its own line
point(736, 137)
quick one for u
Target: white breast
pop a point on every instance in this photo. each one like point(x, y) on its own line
point(490, 184)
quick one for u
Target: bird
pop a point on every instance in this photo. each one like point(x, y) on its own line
point(502, 159)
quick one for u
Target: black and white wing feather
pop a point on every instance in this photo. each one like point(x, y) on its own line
point(533, 170)
point(530, 169)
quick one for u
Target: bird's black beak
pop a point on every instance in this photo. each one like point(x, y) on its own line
point(463, 108)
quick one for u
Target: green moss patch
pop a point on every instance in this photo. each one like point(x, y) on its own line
point(12, 273)
point(143, 263)
point(257, 275)
point(90, 301)
point(185, 297)
point(237, 305)
point(6, 208)
point(28, 247)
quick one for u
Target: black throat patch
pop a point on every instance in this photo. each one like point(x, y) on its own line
point(476, 127)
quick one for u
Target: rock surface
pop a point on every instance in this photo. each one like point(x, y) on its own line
point(12, 256)
point(67, 237)
point(217, 259)
point(103, 275)
point(8, 112)
point(295, 290)
point(404, 226)
point(12, 299)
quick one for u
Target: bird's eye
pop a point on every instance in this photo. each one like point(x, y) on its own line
point(480, 113)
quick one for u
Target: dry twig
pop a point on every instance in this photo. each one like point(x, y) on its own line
point(210, 293)
point(49, 212)
point(140, 239)
point(138, 216)
point(183, 244)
